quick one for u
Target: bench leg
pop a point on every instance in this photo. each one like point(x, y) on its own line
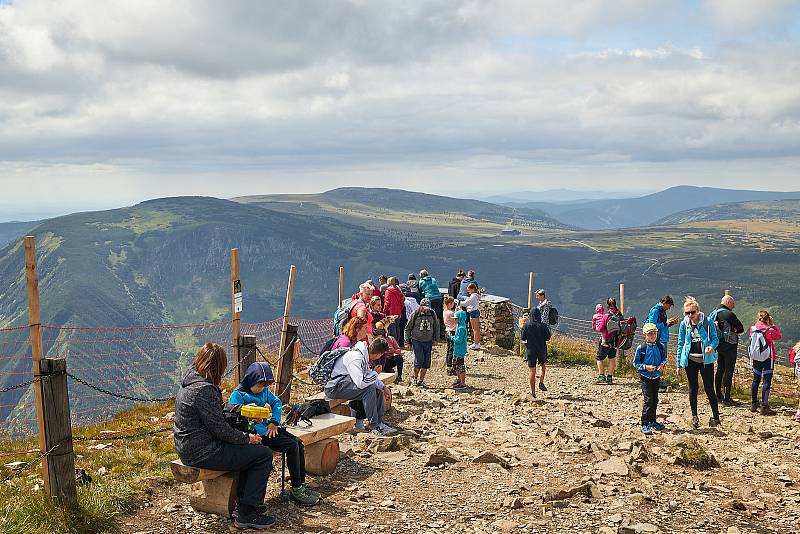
point(215, 496)
point(322, 456)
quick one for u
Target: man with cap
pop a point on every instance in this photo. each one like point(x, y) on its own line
point(421, 331)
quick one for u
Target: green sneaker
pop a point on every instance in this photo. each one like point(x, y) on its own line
point(601, 379)
point(302, 497)
point(312, 492)
point(609, 379)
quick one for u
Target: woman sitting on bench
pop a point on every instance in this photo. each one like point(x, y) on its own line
point(204, 439)
point(254, 389)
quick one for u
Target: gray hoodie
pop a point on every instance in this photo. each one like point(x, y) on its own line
point(199, 427)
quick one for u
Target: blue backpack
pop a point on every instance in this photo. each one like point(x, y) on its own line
point(342, 315)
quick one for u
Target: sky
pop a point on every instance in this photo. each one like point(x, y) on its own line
point(104, 104)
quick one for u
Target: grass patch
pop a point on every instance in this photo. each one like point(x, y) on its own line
point(121, 476)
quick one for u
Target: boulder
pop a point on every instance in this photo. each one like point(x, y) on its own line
point(613, 466)
point(688, 452)
point(440, 457)
point(490, 458)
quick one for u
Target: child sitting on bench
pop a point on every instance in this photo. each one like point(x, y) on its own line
point(254, 389)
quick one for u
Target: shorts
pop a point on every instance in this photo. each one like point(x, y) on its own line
point(422, 353)
point(474, 314)
point(541, 359)
point(459, 366)
point(605, 352)
point(797, 373)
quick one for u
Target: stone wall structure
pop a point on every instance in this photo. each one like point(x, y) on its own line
point(497, 322)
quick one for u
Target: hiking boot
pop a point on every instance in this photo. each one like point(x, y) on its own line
point(460, 386)
point(313, 492)
point(384, 430)
point(647, 429)
point(609, 380)
point(302, 497)
point(655, 425)
point(260, 509)
point(361, 424)
point(714, 422)
point(455, 384)
point(413, 382)
point(766, 410)
point(421, 384)
point(601, 379)
point(695, 422)
point(727, 402)
point(754, 408)
point(541, 386)
point(255, 521)
point(450, 372)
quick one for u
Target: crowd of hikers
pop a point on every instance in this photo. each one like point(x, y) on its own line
point(372, 328)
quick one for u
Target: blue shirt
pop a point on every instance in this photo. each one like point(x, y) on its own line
point(264, 398)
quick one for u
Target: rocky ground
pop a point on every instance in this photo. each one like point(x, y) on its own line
point(493, 459)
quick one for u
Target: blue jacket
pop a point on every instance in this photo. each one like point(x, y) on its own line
point(258, 372)
point(459, 338)
point(708, 337)
point(658, 316)
point(650, 354)
point(462, 291)
point(430, 288)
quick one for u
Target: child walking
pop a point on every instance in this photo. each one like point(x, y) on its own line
point(763, 336)
point(794, 358)
point(650, 360)
point(254, 389)
point(450, 324)
point(459, 342)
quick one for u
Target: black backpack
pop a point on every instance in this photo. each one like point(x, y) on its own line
point(233, 416)
point(552, 316)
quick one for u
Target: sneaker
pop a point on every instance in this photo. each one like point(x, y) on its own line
point(260, 509)
point(361, 424)
point(714, 422)
point(255, 521)
point(766, 410)
point(302, 497)
point(460, 386)
point(421, 384)
point(609, 380)
point(754, 408)
point(796, 417)
point(313, 492)
point(601, 379)
point(384, 430)
point(695, 422)
point(413, 382)
point(450, 372)
point(655, 425)
point(727, 402)
point(474, 346)
point(541, 386)
point(455, 384)
point(647, 429)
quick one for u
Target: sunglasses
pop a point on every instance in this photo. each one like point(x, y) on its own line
point(690, 312)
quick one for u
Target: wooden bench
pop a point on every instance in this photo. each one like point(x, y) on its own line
point(341, 407)
point(215, 491)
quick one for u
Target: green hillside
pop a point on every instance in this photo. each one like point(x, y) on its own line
point(781, 210)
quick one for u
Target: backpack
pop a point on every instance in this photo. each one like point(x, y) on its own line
point(724, 333)
point(661, 348)
point(552, 316)
point(321, 370)
point(793, 357)
point(759, 350)
point(623, 337)
point(327, 346)
point(233, 416)
point(613, 323)
point(342, 315)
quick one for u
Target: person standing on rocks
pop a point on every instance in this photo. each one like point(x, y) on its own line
point(794, 359)
point(658, 316)
point(465, 282)
point(459, 340)
point(729, 327)
point(543, 306)
point(450, 325)
point(606, 351)
point(421, 332)
point(697, 352)
point(763, 336)
point(430, 290)
point(411, 288)
point(649, 360)
point(455, 284)
point(394, 306)
point(536, 334)
point(472, 304)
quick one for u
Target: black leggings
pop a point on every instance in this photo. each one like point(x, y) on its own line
point(707, 373)
point(395, 362)
point(723, 380)
point(295, 454)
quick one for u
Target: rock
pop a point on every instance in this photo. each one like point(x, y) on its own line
point(391, 444)
point(737, 504)
point(504, 524)
point(588, 489)
point(490, 458)
point(102, 471)
point(615, 518)
point(690, 453)
point(171, 508)
point(513, 503)
point(606, 530)
point(170, 416)
point(733, 530)
point(642, 528)
point(440, 457)
point(674, 505)
point(602, 423)
point(600, 453)
point(14, 465)
point(613, 466)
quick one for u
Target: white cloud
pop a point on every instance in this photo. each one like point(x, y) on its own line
point(738, 16)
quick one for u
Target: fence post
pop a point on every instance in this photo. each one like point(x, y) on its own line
point(622, 309)
point(728, 292)
point(58, 431)
point(283, 382)
point(341, 285)
point(530, 291)
point(235, 315)
point(247, 352)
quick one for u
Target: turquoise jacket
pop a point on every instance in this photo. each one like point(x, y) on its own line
point(430, 288)
point(708, 337)
point(264, 398)
point(459, 338)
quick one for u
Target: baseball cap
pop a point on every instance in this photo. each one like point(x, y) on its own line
point(649, 327)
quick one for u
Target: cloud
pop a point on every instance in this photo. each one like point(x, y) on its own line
point(735, 17)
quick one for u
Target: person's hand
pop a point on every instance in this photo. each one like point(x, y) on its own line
point(254, 439)
point(257, 421)
point(407, 346)
point(379, 369)
point(272, 430)
point(660, 368)
point(678, 371)
point(709, 349)
point(650, 368)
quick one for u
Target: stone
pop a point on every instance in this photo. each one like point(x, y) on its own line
point(733, 530)
point(513, 503)
point(690, 453)
point(490, 458)
point(440, 457)
point(643, 528)
point(615, 518)
point(602, 423)
point(613, 466)
point(505, 525)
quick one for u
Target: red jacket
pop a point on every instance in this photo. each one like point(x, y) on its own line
point(393, 301)
point(771, 334)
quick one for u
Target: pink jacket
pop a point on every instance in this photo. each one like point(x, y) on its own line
point(771, 334)
point(597, 318)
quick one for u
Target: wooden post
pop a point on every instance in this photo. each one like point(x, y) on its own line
point(622, 298)
point(283, 380)
point(247, 352)
point(530, 291)
point(341, 285)
point(58, 431)
point(35, 322)
point(287, 309)
point(236, 316)
point(728, 292)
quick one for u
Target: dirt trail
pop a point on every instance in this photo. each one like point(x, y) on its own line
point(578, 438)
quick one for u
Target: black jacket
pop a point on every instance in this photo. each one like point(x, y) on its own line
point(726, 314)
point(536, 335)
point(453, 287)
point(199, 427)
